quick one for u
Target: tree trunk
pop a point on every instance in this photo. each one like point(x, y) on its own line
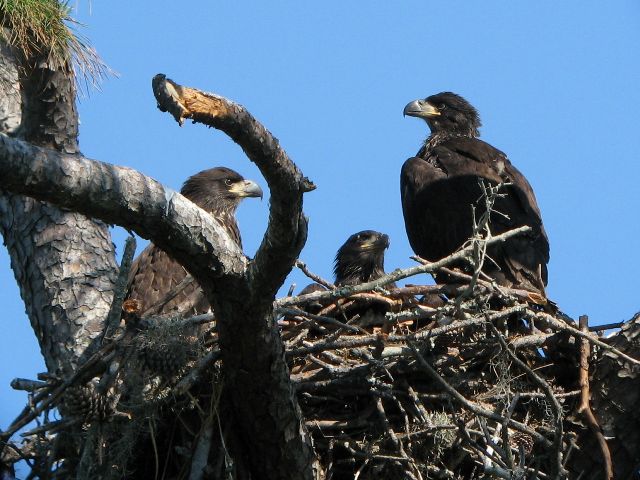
point(63, 262)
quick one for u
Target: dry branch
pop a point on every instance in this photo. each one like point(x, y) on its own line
point(397, 274)
point(120, 289)
point(585, 401)
point(251, 347)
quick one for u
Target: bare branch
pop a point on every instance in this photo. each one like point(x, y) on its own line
point(287, 230)
point(585, 408)
point(545, 317)
point(397, 274)
point(120, 289)
point(303, 266)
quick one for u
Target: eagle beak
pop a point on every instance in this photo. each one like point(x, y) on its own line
point(420, 109)
point(380, 243)
point(247, 188)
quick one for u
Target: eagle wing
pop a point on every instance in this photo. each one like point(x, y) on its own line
point(438, 189)
point(153, 277)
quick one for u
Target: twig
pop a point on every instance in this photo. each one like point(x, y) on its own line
point(473, 407)
point(196, 372)
point(325, 283)
point(481, 233)
point(28, 385)
point(394, 439)
point(29, 414)
point(607, 326)
point(584, 408)
point(505, 430)
point(200, 456)
point(120, 289)
point(319, 318)
point(578, 333)
point(396, 275)
point(52, 427)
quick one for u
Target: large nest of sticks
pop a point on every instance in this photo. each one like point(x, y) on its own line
point(425, 381)
point(462, 390)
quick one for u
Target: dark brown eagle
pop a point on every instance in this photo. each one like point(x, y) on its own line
point(154, 274)
point(360, 259)
point(441, 183)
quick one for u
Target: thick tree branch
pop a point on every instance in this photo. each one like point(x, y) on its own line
point(287, 230)
point(252, 350)
point(63, 262)
point(125, 197)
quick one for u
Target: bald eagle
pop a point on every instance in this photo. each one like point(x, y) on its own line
point(360, 259)
point(440, 185)
point(154, 274)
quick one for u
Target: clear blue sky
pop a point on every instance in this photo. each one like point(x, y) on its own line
point(556, 84)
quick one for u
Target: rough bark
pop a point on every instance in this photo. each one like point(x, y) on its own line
point(252, 349)
point(63, 262)
point(126, 197)
point(253, 354)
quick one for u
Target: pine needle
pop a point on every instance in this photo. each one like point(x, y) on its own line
point(45, 29)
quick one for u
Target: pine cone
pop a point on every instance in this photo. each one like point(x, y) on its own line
point(165, 359)
point(101, 407)
point(521, 439)
point(78, 401)
point(83, 401)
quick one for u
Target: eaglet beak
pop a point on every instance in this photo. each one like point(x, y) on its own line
point(420, 109)
point(247, 188)
point(380, 243)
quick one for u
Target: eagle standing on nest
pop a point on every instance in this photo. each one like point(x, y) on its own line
point(441, 183)
point(154, 274)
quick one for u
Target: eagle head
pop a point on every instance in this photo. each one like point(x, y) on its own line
point(361, 258)
point(219, 188)
point(446, 112)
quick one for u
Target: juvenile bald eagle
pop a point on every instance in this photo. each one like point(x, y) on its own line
point(441, 183)
point(154, 274)
point(360, 259)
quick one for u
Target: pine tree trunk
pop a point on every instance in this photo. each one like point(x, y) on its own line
point(63, 262)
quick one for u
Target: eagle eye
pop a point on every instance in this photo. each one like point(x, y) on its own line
point(442, 107)
point(227, 182)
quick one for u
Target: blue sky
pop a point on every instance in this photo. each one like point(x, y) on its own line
point(556, 84)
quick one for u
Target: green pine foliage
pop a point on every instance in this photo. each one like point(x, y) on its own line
point(44, 29)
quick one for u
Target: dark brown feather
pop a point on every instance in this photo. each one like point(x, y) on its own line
point(155, 274)
point(440, 185)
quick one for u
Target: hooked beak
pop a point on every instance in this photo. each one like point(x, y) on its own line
point(420, 109)
point(380, 243)
point(247, 188)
